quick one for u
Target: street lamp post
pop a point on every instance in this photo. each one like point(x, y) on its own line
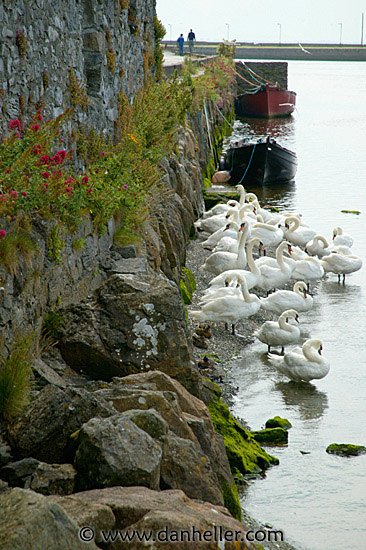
point(340, 33)
point(280, 29)
point(170, 26)
point(228, 28)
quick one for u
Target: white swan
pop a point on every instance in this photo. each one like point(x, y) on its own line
point(308, 269)
point(251, 276)
point(279, 301)
point(318, 246)
point(296, 234)
point(268, 234)
point(280, 332)
point(230, 230)
point(274, 273)
point(221, 261)
point(229, 309)
point(231, 288)
point(340, 238)
point(306, 363)
point(341, 264)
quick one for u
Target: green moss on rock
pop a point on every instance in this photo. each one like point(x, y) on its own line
point(231, 499)
point(346, 449)
point(278, 422)
point(245, 455)
point(187, 285)
point(272, 436)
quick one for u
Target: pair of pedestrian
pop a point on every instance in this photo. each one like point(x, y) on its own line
point(191, 38)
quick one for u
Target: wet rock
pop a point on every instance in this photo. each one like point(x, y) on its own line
point(271, 436)
point(45, 426)
point(29, 522)
point(141, 508)
point(346, 449)
point(48, 479)
point(135, 323)
point(278, 422)
point(115, 451)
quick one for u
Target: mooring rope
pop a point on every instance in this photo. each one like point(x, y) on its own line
point(226, 120)
point(254, 75)
point(250, 161)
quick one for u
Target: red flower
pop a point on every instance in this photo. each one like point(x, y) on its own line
point(24, 194)
point(3, 198)
point(45, 159)
point(89, 191)
point(39, 116)
point(69, 189)
point(46, 175)
point(15, 124)
point(7, 170)
point(17, 135)
point(2, 234)
point(61, 154)
point(85, 179)
point(35, 127)
point(13, 193)
point(102, 154)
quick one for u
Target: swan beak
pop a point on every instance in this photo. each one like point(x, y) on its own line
point(320, 350)
point(261, 245)
point(227, 216)
point(242, 226)
point(289, 249)
point(297, 319)
point(305, 293)
point(227, 227)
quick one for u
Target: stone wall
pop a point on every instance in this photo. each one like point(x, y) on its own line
point(273, 71)
point(73, 53)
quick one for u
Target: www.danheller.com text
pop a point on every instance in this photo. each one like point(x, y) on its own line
point(214, 534)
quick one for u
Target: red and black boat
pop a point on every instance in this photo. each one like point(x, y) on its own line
point(262, 163)
point(266, 101)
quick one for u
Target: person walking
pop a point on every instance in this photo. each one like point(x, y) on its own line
point(191, 38)
point(180, 41)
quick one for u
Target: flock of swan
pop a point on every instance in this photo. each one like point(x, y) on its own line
point(237, 228)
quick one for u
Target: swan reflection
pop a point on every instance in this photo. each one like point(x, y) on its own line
point(306, 398)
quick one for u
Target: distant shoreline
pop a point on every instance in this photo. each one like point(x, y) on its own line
point(314, 52)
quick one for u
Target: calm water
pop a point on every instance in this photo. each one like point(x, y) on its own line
point(318, 500)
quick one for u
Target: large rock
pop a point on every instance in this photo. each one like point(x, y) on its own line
point(45, 426)
point(184, 466)
point(165, 402)
point(115, 451)
point(28, 521)
point(144, 509)
point(135, 323)
point(48, 479)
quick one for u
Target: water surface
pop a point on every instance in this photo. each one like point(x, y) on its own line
point(319, 500)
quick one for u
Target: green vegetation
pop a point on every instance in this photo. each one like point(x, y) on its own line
point(278, 422)
point(345, 449)
point(187, 285)
point(15, 373)
point(244, 453)
point(271, 436)
point(231, 499)
point(52, 324)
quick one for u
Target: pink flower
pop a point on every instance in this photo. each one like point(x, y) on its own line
point(15, 124)
point(3, 198)
point(24, 194)
point(125, 186)
point(17, 135)
point(35, 127)
point(2, 234)
point(13, 193)
point(102, 154)
point(7, 170)
point(85, 179)
point(46, 175)
point(69, 189)
point(154, 143)
point(89, 191)
point(39, 116)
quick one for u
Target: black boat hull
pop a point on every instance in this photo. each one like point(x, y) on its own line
point(261, 163)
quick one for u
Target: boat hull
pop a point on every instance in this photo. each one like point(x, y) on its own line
point(267, 102)
point(261, 163)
